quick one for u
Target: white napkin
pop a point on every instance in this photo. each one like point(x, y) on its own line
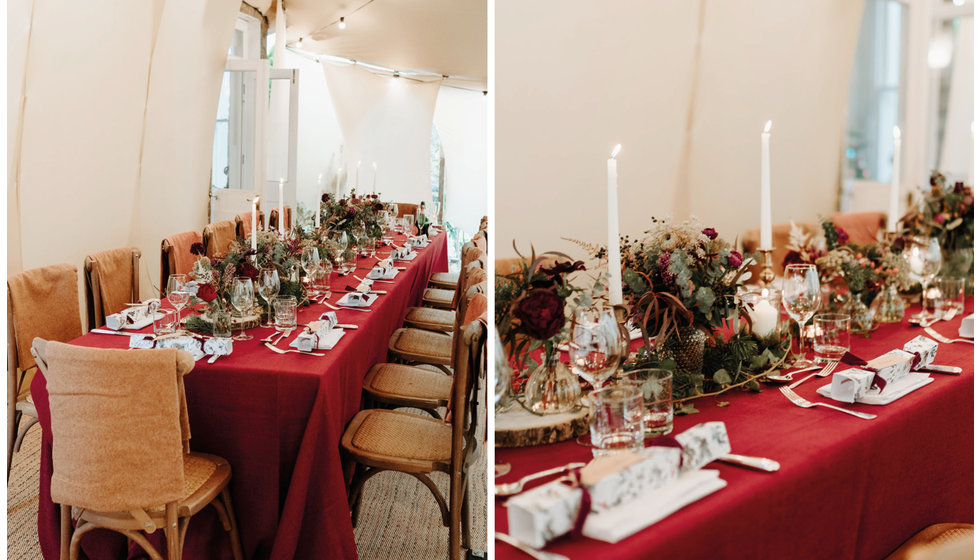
point(357, 299)
point(319, 335)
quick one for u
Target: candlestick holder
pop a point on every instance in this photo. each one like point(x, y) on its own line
point(767, 275)
point(622, 314)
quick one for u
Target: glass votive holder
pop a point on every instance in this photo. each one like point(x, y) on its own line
point(656, 388)
point(954, 293)
point(284, 309)
point(763, 307)
point(617, 419)
point(165, 322)
point(831, 336)
point(933, 301)
point(221, 324)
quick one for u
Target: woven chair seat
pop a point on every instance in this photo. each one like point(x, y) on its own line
point(439, 298)
point(400, 435)
point(446, 280)
point(952, 535)
point(400, 384)
point(418, 345)
point(430, 318)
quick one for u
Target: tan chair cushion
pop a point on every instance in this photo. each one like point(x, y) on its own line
point(183, 259)
point(446, 280)
point(476, 309)
point(422, 343)
point(118, 419)
point(115, 273)
point(947, 541)
point(431, 318)
point(218, 237)
point(408, 381)
point(274, 218)
point(44, 303)
point(399, 434)
point(439, 296)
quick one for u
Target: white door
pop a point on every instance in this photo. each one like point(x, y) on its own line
point(238, 158)
point(281, 126)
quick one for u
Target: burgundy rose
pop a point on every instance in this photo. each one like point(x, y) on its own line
point(792, 257)
point(378, 206)
point(215, 262)
point(197, 248)
point(207, 292)
point(940, 218)
point(541, 312)
point(959, 187)
point(710, 232)
point(324, 197)
point(735, 259)
point(351, 210)
point(342, 201)
point(842, 236)
point(246, 270)
point(563, 267)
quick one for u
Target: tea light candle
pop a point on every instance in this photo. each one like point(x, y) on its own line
point(612, 202)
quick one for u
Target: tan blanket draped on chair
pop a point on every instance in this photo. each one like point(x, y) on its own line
point(114, 269)
point(476, 310)
point(45, 304)
point(119, 404)
point(183, 259)
point(861, 227)
point(219, 237)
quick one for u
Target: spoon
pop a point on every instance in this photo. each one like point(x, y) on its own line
point(789, 375)
point(511, 488)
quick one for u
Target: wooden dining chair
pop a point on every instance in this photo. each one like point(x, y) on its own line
point(40, 302)
point(442, 319)
point(406, 209)
point(243, 224)
point(112, 280)
point(942, 541)
point(441, 298)
point(780, 237)
point(274, 218)
point(218, 237)
point(176, 257)
point(119, 447)
point(381, 440)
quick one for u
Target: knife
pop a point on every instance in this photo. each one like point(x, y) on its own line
point(757, 463)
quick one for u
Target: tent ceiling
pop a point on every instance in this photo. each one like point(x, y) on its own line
point(448, 37)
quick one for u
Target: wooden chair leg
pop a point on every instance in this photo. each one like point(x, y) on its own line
point(66, 530)
point(172, 533)
point(25, 424)
point(236, 541)
point(467, 526)
point(455, 509)
point(12, 421)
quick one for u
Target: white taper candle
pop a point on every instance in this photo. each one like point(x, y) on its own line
point(612, 207)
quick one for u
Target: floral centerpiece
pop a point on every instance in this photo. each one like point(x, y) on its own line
point(351, 213)
point(946, 213)
point(530, 309)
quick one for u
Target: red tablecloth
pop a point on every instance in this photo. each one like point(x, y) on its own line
point(278, 420)
point(848, 488)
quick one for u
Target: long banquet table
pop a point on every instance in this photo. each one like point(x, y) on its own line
point(277, 418)
point(848, 488)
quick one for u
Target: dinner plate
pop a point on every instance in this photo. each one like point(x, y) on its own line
point(326, 342)
point(344, 301)
point(895, 391)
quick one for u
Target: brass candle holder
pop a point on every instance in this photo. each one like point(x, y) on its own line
point(766, 276)
point(622, 314)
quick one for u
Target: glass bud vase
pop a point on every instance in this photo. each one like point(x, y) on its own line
point(686, 349)
point(888, 305)
point(551, 388)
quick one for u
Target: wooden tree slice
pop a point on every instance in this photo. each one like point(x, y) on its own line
point(519, 428)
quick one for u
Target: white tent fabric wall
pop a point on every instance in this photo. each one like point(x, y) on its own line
point(89, 114)
point(385, 120)
point(461, 120)
point(564, 102)
point(956, 157)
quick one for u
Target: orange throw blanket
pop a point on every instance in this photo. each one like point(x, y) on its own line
point(219, 236)
point(45, 304)
point(183, 259)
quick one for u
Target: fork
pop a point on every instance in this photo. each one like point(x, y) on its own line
point(530, 551)
point(281, 351)
point(932, 332)
point(511, 488)
point(827, 370)
point(801, 402)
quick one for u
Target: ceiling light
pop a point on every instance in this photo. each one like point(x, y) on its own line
point(342, 25)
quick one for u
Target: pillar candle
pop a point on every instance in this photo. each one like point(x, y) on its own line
point(612, 206)
point(764, 317)
point(893, 215)
point(282, 215)
point(765, 236)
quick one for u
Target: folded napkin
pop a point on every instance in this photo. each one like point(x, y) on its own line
point(357, 299)
point(319, 335)
point(135, 317)
point(404, 254)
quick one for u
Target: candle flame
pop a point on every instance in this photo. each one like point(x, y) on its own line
point(897, 132)
point(768, 127)
point(615, 151)
point(256, 199)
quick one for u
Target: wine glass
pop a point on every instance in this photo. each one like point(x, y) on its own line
point(339, 241)
point(801, 299)
point(595, 345)
point(501, 389)
point(242, 298)
point(310, 261)
point(268, 289)
point(177, 293)
point(409, 224)
point(925, 258)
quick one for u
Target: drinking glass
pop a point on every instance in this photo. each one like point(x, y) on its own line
point(831, 336)
point(285, 310)
point(954, 290)
point(221, 324)
point(242, 298)
point(310, 261)
point(594, 348)
point(656, 388)
point(323, 277)
point(924, 257)
point(177, 293)
point(409, 224)
point(801, 299)
point(617, 419)
point(268, 289)
point(165, 322)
